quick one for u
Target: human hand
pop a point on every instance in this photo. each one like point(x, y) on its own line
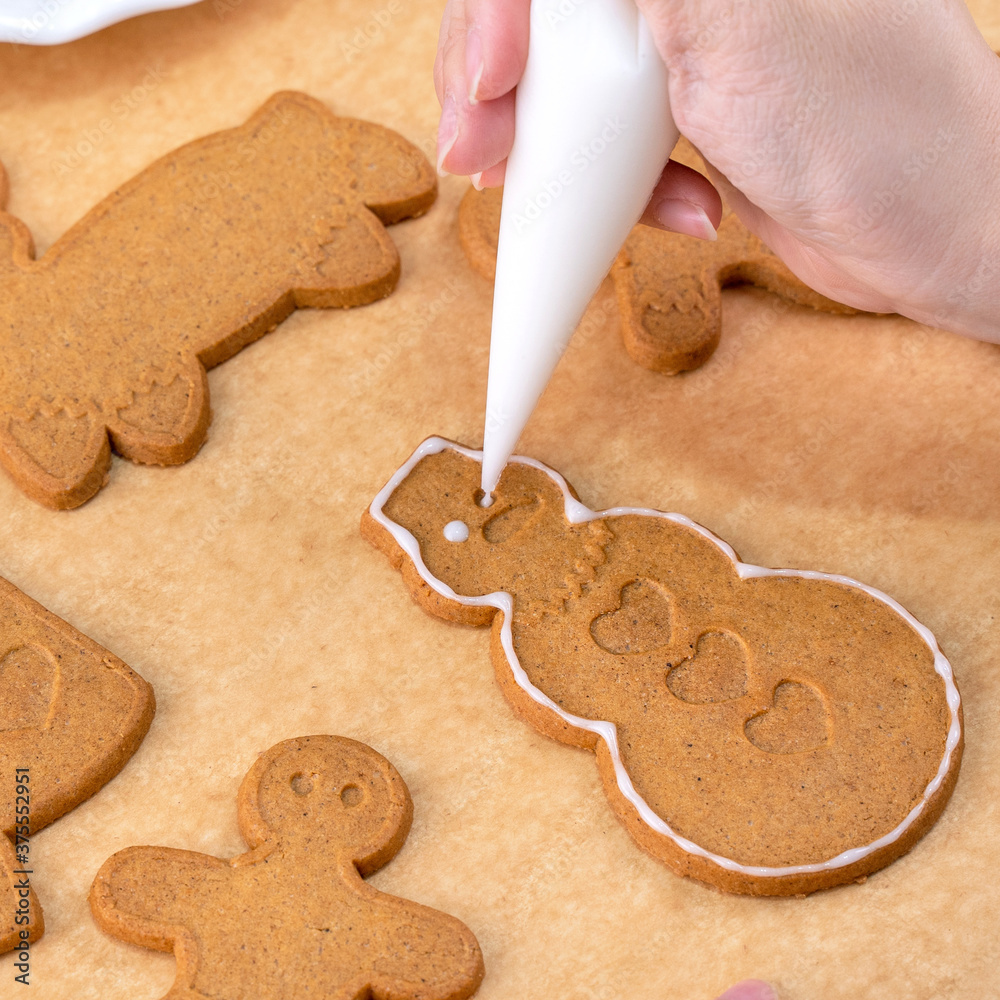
point(858, 141)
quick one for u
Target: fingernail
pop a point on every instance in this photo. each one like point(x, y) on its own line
point(750, 989)
point(474, 64)
point(447, 131)
point(684, 217)
point(477, 180)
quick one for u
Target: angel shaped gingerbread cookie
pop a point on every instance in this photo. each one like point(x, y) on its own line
point(106, 339)
point(294, 917)
point(71, 715)
point(771, 732)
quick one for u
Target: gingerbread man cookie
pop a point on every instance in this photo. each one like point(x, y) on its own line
point(771, 732)
point(669, 287)
point(71, 715)
point(293, 917)
point(107, 337)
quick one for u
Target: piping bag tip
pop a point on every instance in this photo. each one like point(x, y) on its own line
point(593, 131)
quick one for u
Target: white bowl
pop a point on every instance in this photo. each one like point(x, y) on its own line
point(51, 22)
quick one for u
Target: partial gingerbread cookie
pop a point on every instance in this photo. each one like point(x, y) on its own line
point(669, 290)
point(479, 228)
point(669, 287)
point(293, 917)
point(209, 248)
point(71, 715)
point(770, 732)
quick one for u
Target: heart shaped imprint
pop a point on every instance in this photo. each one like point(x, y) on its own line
point(28, 681)
point(796, 723)
point(716, 672)
point(640, 623)
point(71, 715)
point(770, 732)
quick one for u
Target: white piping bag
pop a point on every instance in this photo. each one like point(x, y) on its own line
point(593, 131)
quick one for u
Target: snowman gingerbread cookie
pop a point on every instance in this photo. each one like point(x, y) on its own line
point(770, 732)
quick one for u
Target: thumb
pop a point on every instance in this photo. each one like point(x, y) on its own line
point(684, 201)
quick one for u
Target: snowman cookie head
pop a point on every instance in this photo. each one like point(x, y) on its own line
point(520, 543)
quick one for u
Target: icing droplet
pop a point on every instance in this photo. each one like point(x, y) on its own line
point(486, 500)
point(456, 531)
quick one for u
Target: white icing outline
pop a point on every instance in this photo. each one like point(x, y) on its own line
point(578, 513)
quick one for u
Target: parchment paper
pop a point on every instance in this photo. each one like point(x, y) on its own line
point(239, 586)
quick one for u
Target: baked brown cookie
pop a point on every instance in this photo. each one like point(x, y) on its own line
point(71, 715)
point(668, 286)
point(479, 228)
point(669, 291)
point(770, 732)
point(110, 333)
point(293, 917)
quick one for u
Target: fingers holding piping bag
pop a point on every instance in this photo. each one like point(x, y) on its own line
point(481, 55)
point(790, 103)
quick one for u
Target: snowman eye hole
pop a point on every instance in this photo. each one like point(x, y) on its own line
point(456, 531)
point(351, 796)
point(302, 784)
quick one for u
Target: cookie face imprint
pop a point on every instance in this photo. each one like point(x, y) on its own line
point(294, 917)
point(107, 337)
point(71, 715)
point(769, 731)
